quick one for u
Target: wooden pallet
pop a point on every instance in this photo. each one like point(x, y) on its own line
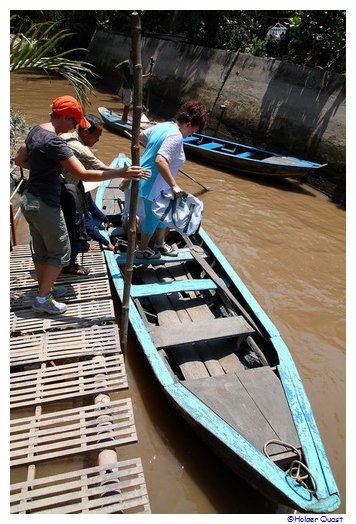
point(22, 298)
point(57, 383)
point(24, 250)
point(85, 341)
point(118, 487)
point(72, 431)
point(28, 278)
point(25, 262)
point(58, 345)
point(77, 314)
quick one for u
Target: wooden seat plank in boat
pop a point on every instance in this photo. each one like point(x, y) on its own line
point(218, 357)
point(219, 328)
point(210, 146)
point(253, 402)
point(192, 367)
point(162, 288)
point(189, 309)
point(246, 154)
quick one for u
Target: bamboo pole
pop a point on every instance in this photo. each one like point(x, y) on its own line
point(135, 155)
point(12, 225)
point(225, 79)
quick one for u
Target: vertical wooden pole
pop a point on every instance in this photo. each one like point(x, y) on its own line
point(135, 155)
point(12, 224)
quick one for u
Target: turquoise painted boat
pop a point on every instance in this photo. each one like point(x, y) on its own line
point(113, 120)
point(246, 159)
point(223, 365)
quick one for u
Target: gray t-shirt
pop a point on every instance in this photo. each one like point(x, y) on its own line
point(45, 150)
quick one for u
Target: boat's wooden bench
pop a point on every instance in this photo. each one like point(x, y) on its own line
point(244, 155)
point(162, 288)
point(190, 140)
point(173, 335)
point(209, 146)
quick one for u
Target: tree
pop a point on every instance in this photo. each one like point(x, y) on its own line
point(37, 50)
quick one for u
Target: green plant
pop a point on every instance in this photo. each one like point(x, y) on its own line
point(18, 126)
point(36, 50)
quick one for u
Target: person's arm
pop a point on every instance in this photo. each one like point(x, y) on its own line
point(21, 157)
point(163, 168)
point(76, 169)
point(94, 234)
point(96, 212)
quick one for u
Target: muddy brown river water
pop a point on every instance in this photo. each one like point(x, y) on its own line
point(287, 243)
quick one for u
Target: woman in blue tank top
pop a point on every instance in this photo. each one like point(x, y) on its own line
point(164, 156)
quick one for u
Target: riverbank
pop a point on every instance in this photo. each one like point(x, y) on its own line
point(294, 110)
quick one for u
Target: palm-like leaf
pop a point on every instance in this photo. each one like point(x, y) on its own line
point(36, 51)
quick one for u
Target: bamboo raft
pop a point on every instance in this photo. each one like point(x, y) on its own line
point(63, 371)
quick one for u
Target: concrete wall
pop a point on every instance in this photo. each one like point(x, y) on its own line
point(286, 107)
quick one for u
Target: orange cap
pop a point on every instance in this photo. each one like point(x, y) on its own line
point(69, 106)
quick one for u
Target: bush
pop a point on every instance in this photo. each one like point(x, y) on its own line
point(18, 126)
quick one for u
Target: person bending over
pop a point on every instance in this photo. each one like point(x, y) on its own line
point(46, 155)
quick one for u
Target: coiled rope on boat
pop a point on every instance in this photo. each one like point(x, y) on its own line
point(298, 471)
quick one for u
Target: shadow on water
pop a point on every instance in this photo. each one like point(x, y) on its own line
point(285, 184)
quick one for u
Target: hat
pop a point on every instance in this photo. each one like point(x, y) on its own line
point(69, 106)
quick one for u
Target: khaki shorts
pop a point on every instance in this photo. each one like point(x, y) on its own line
point(126, 96)
point(48, 231)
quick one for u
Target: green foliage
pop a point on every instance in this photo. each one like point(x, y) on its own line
point(257, 46)
point(316, 38)
point(38, 49)
point(18, 126)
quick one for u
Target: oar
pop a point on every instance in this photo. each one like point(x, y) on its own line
point(206, 188)
point(196, 252)
point(135, 154)
point(196, 181)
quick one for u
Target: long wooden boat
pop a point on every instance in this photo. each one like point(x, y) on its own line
point(223, 365)
point(113, 120)
point(246, 159)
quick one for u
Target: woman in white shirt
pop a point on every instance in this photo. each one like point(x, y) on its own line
point(164, 156)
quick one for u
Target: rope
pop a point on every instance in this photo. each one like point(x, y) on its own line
point(298, 471)
point(295, 473)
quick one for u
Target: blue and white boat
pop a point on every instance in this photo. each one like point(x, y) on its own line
point(113, 120)
point(224, 365)
point(246, 159)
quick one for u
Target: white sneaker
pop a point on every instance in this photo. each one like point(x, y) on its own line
point(167, 250)
point(49, 306)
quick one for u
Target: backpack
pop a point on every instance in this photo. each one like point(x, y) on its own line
point(183, 214)
point(72, 207)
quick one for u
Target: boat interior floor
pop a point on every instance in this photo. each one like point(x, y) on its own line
point(203, 347)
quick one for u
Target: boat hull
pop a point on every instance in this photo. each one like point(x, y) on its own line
point(112, 119)
point(247, 160)
point(242, 467)
point(240, 453)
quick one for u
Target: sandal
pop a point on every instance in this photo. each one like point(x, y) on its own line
point(148, 253)
point(76, 270)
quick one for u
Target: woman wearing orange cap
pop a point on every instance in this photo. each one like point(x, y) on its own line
point(46, 155)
